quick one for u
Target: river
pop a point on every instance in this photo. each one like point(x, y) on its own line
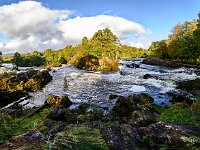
point(95, 87)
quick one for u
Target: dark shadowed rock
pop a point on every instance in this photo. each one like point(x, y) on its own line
point(171, 135)
point(15, 110)
point(112, 96)
point(134, 136)
point(132, 65)
point(146, 76)
point(136, 110)
point(164, 63)
point(7, 97)
point(191, 86)
point(58, 114)
point(176, 98)
point(113, 138)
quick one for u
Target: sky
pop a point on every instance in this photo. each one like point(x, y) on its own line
point(26, 26)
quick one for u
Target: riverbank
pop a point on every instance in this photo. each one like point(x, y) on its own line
point(133, 122)
point(172, 64)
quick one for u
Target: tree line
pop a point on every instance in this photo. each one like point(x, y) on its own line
point(101, 52)
point(183, 44)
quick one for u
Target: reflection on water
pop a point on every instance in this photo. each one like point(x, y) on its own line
point(95, 87)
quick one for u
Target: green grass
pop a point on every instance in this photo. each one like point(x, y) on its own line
point(181, 113)
point(79, 138)
point(15, 126)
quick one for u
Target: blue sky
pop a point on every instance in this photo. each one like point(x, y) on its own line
point(156, 16)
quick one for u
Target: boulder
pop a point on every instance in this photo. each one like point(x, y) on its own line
point(88, 62)
point(136, 110)
point(177, 98)
point(58, 101)
point(25, 141)
point(132, 65)
point(7, 97)
point(113, 138)
point(58, 114)
point(112, 96)
point(190, 86)
point(15, 110)
point(170, 135)
point(146, 76)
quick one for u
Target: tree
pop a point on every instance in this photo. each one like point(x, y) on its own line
point(17, 59)
point(159, 49)
point(196, 37)
point(174, 40)
point(104, 43)
point(1, 57)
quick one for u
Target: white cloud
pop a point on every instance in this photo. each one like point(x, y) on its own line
point(31, 26)
point(74, 29)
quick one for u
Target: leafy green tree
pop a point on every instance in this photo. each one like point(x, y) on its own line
point(1, 58)
point(196, 37)
point(104, 43)
point(159, 49)
point(17, 59)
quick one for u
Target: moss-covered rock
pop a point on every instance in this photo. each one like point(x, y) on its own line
point(136, 110)
point(181, 113)
point(58, 101)
point(88, 62)
point(30, 80)
point(58, 114)
point(15, 86)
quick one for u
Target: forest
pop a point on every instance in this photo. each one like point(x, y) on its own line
point(182, 45)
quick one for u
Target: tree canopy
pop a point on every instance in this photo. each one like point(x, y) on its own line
point(183, 44)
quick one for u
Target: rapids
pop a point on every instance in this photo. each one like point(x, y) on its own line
point(95, 87)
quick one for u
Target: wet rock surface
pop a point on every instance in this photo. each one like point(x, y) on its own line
point(132, 65)
point(191, 86)
point(177, 98)
point(7, 97)
point(15, 86)
point(171, 64)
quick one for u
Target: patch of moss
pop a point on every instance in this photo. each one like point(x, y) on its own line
point(181, 113)
point(80, 137)
point(15, 126)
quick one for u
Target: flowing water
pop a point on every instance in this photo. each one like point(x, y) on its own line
point(95, 87)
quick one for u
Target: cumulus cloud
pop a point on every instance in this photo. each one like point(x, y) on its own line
point(31, 26)
point(74, 29)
